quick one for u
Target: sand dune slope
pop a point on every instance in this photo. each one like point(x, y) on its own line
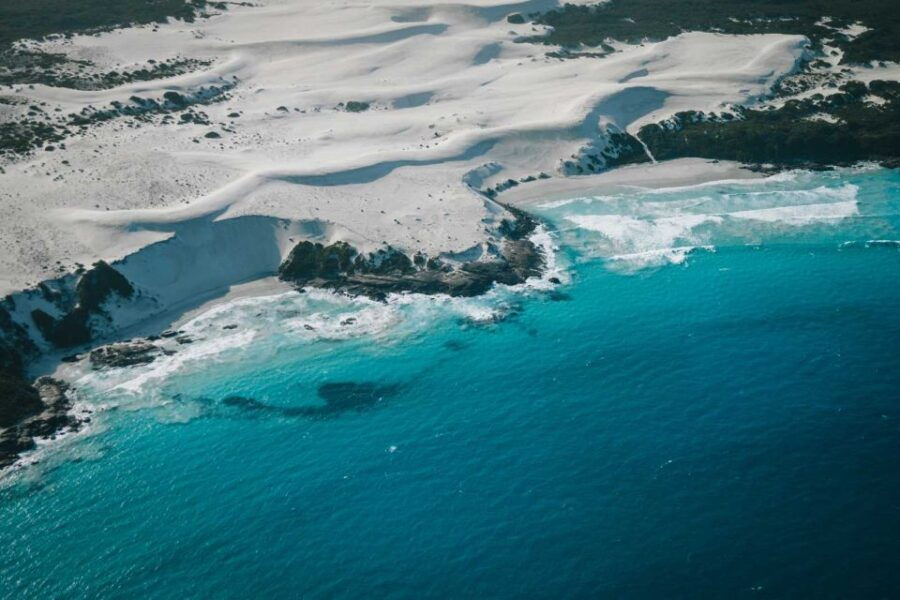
point(453, 99)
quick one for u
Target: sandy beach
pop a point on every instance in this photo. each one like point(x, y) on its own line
point(454, 104)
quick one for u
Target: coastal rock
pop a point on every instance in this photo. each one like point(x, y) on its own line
point(12, 444)
point(15, 344)
point(46, 417)
point(56, 416)
point(341, 267)
point(124, 354)
point(309, 261)
point(18, 399)
point(94, 288)
point(98, 284)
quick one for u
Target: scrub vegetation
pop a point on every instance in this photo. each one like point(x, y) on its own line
point(634, 21)
point(36, 19)
point(849, 122)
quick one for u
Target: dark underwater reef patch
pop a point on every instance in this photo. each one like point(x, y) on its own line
point(455, 345)
point(338, 398)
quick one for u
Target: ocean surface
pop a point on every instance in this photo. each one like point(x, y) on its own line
point(707, 407)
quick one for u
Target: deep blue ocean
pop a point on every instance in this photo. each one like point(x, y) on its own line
point(707, 407)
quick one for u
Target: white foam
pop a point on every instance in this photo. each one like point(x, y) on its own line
point(628, 235)
point(801, 214)
point(225, 331)
point(653, 228)
point(629, 263)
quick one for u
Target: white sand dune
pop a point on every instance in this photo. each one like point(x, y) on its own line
point(453, 99)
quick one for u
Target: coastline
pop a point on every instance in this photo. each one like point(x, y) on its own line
point(98, 318)
point(490, 298)
point(385, 176)
point(679, 172)
point(130, 343)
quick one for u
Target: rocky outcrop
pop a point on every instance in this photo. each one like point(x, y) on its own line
point(94, 288)
point(98, 284)
point(16, 346)
point(18, 399)
point(125, 354)
point(341, 267)
point(42, 409)
point(49, 414)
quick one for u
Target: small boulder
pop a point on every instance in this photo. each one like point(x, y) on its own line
point(124, 355)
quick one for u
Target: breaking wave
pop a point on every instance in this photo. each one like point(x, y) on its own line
point(632, 231)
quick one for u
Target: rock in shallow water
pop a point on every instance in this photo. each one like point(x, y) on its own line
point(52, 417)
point(341, 267)
point(125, 354)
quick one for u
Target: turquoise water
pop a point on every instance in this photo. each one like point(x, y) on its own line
point(708, 407)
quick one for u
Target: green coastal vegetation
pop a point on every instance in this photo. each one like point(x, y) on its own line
point(36, 19)
point(40, 127)
point(852, 121)
point(25, 67)
point(26, 127)
point(861, 122)
point(635, 21)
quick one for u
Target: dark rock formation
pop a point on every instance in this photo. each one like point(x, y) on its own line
point(126, 354)
point(518, 228)
point(18, 399)
point(72, 329)
point(98, 284)
point(94, 288)
point(15, 344)
point(341, 267)
point(13, 443)
point(309, 261)
point(42, 409)
point(55, 416)
point(48, 414)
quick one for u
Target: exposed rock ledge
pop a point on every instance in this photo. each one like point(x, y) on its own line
point(341, 267)
point(38, 411)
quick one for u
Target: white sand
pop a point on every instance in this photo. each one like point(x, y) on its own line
point(667, 174)
point(451, 93)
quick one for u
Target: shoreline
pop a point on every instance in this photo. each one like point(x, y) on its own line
point(679, 172)
point(683, 172)
point(97, 316)
point(126, 343)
